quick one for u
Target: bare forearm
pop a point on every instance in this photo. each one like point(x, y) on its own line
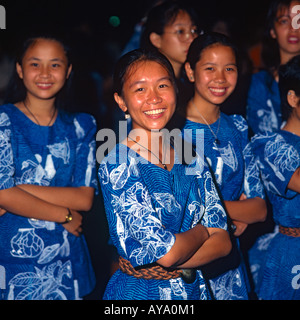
point(186, 244)
point(21, 203)
point(216, 246)
point(247, 211)
point(80, 198)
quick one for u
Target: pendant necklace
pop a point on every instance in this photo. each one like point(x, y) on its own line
point(52, 117)
point(217, 141)
point(165, 167)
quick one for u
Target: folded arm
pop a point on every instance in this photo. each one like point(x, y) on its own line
point(76, 198)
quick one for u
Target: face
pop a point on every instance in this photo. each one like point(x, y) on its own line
point(173, 45)
point(287, 37)
point(148, 95)
point(44, 69)
point(215, 75)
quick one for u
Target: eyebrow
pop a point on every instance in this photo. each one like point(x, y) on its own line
point(142, 81)
point(215, 64)
point(37, 59)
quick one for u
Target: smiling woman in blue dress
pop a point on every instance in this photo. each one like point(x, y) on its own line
point(213, 68)
point(47, 174)
point(153, 206)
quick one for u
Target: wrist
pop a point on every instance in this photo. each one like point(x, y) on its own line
point(68, 217)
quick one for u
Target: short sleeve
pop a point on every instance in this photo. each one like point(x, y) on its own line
point(135, 225)
point(214, 214)
point(85, 167)
point(7, 168)
point(277, 160)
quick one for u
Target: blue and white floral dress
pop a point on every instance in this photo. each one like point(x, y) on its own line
point(263, 103)
point(275, 257)
point(146, 206)
point(234, 169)
point(39, 259)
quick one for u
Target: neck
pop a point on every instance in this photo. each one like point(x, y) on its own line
point(40, 107)
point(293, 126)
point(197, 108)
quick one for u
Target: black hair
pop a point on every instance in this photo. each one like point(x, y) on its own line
point(130, 59)
point(160, 16)
point(207, 40)
point(289, 79)
point(16, 90)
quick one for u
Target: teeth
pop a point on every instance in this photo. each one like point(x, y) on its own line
point(44, 84)
point(217, 90)
point(157, 111)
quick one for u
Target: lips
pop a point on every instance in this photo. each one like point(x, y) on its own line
point(293, 40)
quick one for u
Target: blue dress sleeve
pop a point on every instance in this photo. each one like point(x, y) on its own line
point(277, 160)
point(7, 168)
point(253, 186)
point(85, 166)
point(135, 225)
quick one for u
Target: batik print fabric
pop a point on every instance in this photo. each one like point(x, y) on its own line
point(263, 104)
point(39, 259)
point(235, 171)
point(146, 206)
point(275, 258)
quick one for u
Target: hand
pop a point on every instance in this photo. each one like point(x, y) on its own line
point(240, 227)
point(243, 197)
point(2, 212)
point(74, 226)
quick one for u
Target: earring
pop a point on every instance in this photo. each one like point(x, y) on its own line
point(127, 115)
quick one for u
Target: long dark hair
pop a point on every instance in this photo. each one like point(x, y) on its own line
point(16, 90)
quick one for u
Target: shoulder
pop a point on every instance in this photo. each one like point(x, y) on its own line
point(79, 120)
point(5, 114)
point(239, 122)
point(262, 76)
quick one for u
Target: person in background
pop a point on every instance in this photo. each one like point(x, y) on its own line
point(164, 222)
point(212, 67)
point(48, 174)
point(276, 272)
point(170, 28)
point(280, 43)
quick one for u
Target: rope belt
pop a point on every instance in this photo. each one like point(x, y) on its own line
point(293, 232)
point(155, 272)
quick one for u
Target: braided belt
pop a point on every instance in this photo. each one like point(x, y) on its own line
point(155, 272)
point(293, 232)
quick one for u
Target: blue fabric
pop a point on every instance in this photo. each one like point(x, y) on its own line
point(275, 258)
point(146, 206)
point(234, 169)
point(263, 103)
point(40, 260)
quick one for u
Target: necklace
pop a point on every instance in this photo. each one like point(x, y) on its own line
point(36, 118)
point(165, 167)
point(217, 141)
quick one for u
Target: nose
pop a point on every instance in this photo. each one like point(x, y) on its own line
point(220, 77)
point(154, 97)
point(45, 72)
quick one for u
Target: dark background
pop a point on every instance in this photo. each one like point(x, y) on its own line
point(97, 44)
